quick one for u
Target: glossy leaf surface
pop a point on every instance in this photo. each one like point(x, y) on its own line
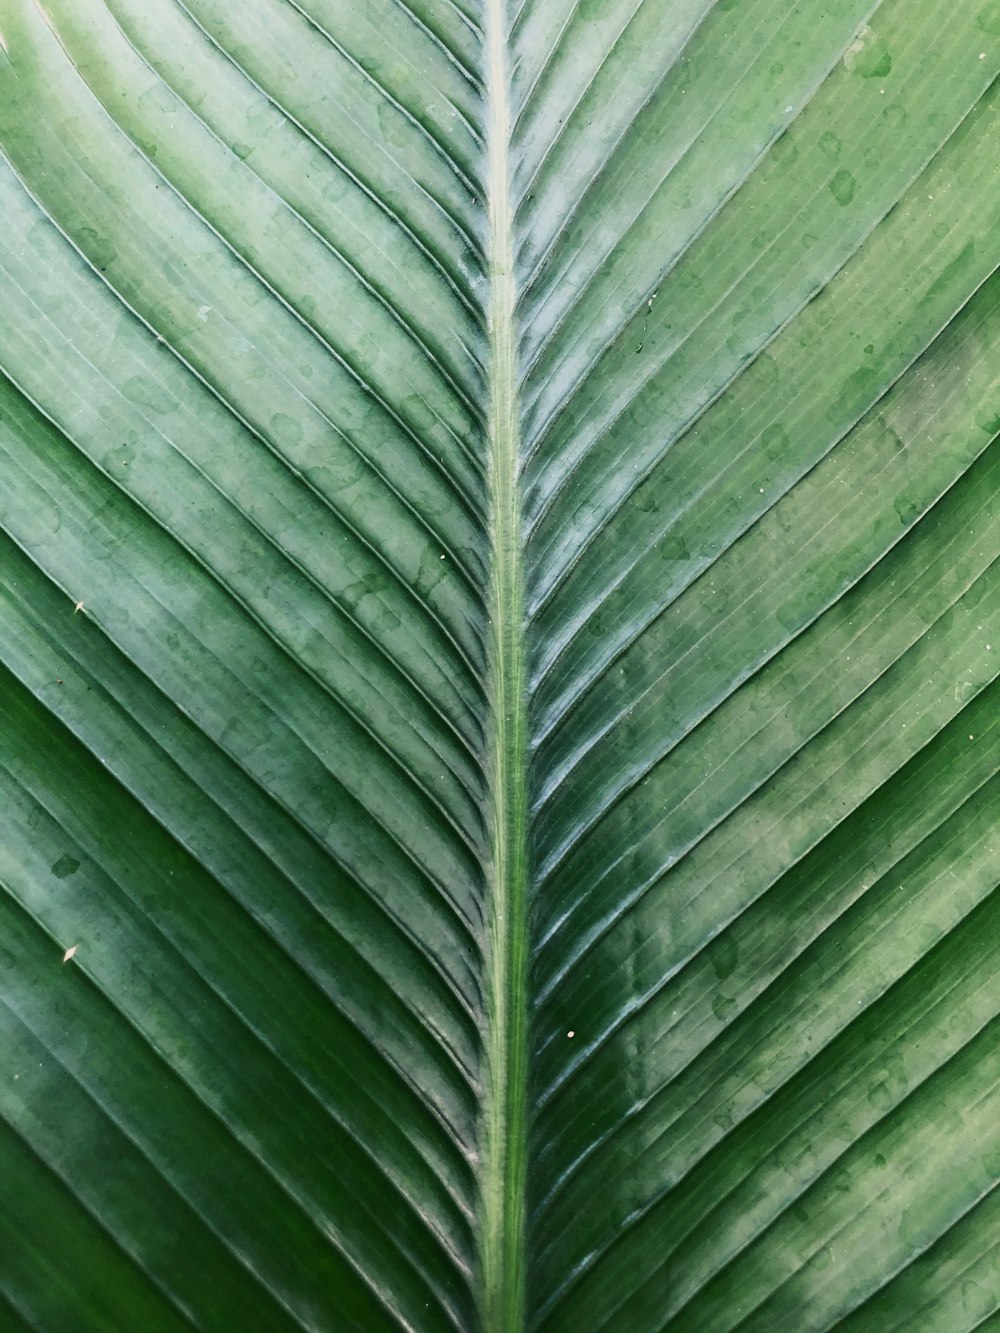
point(499, 707)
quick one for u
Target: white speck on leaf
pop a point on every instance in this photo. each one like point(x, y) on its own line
point(78, 607)
point(571, 1033)
point(69, 953)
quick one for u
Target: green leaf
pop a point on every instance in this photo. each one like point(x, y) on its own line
point(501, 745)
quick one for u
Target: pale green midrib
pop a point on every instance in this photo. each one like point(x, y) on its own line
point(502, 1295)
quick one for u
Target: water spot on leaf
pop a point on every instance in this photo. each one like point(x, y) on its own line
point(784, 150)
point(877, 67)
point(978, 1302)
point(432, 571)
point(392, 126)
point(724, 954)
point(842, 187)
point(830, 144)
point(158, 97)
point(879, 1095)
point(894, 438)
point(766, 369)
point(287, 430)
point(917, 1228)
point(841, 1181)
point(375, 613)
point(674, 547)
point(592, 11)
point(146, 392)
point(66, 865)
point(335, 187)
point(98, 249)
point(792, 615)
point(346, 469)
point(856, 391)
point(370, 586)
point(868, 55)
point(947, 276)
point(39, 521)
point(264, 119)
point(775, 442)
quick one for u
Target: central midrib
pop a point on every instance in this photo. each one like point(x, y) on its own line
point(504, 1118)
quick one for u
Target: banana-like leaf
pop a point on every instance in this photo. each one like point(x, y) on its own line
point(501, 621)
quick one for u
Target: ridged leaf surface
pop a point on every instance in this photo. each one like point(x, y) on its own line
point(500, 518)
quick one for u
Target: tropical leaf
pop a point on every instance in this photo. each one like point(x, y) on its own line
point(500, 717)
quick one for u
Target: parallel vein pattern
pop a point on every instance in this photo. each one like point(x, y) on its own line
point(242, 424)
point(501, 595)
point(760, 388)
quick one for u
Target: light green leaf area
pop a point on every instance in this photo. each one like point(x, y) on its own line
point(500, 585)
